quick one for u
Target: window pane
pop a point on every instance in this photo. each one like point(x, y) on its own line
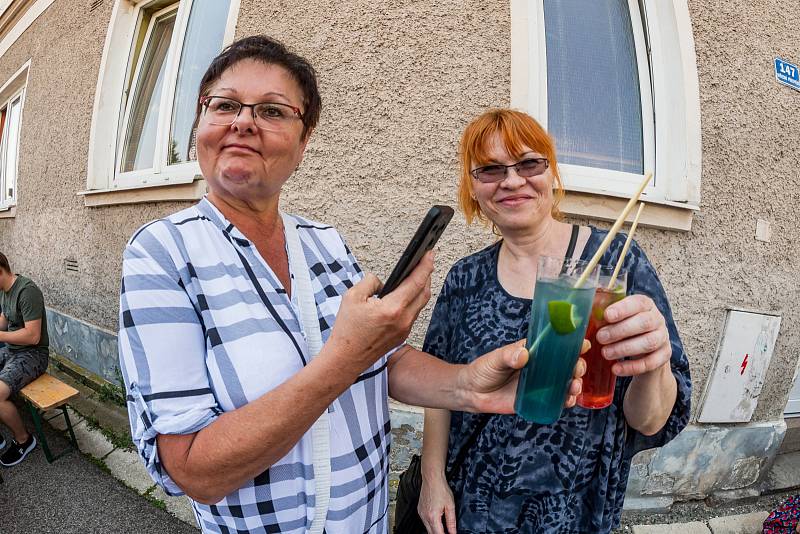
point(594, 108)
point(3, 114)
point(12, 149)
point(203, 42)
point(140, 139)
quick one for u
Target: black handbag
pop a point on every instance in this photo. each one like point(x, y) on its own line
point(406, 518)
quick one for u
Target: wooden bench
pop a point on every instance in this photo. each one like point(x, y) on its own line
point(49, 393)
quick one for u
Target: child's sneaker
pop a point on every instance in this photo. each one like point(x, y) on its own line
point(17, 452)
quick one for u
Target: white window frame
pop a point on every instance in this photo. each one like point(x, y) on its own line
point(670, 101)
point(116, 84)
point(14, 88)
point(186, 170)
point(793, 402)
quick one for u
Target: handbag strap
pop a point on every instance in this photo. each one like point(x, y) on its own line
point(320, 430)
point(573, 239)
point(462, 454)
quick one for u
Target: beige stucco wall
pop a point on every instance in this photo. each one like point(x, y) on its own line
point(751, 169)
point(398, 85)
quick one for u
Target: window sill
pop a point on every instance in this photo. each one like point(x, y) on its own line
point(9, 212)
point(190, 190)
point(660, 214)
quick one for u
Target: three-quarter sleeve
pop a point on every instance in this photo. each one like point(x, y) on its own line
point(162, 348)
point(643, 279)
point(437, 337)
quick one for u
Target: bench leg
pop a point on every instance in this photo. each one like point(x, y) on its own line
point(69, 427)
point(39, 432)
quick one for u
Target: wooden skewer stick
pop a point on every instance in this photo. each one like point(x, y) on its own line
point(625, 248)
point(604, 245)
point(613, 232)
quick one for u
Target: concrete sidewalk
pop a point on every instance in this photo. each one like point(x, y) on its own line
point(122, 463)
point(735, 524)
point(75, 494)
point(115, 456)
point(746, 515)
point(127, 467)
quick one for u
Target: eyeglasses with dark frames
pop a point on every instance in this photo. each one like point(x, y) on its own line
point(496, 173)
point(223, 111)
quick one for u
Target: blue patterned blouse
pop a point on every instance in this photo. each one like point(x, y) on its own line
point(520, 477)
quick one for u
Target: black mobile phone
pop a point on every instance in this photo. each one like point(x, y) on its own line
point(426, 236)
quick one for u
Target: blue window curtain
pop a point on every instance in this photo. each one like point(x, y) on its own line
point(594, 109)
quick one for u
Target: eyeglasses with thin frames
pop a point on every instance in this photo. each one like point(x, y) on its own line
point(526, 168)
point(223, 111)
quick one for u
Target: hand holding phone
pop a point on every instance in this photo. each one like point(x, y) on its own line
point(425, 238)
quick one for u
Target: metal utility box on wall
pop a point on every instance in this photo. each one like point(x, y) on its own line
point(743, 356)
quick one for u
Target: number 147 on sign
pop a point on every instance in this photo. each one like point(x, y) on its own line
point(787, 73)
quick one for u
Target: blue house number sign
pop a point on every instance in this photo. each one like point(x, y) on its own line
point(787, 73)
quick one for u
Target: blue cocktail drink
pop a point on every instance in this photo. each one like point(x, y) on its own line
point(559, 317)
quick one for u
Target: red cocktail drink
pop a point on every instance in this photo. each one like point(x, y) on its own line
point(599, 381)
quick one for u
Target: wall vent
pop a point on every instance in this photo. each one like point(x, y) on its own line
point(95, 4)
point(71, 265)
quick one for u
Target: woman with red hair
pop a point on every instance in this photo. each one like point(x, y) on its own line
point(524, 477)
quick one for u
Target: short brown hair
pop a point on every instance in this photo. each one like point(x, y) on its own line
point(269, 52)
point(516, 130)
point(4, 266)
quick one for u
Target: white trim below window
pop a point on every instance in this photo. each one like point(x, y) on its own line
point(190, 190)
point(595, 206)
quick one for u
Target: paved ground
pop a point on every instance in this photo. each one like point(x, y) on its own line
point(105, 489)
point(699, 512)
point(750, 523)
point(75, 495)
point(744, 516)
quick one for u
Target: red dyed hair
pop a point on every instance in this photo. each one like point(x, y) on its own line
point(516, 130)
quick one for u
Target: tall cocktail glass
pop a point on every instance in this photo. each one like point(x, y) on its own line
point(559, 316)
point(599, 381)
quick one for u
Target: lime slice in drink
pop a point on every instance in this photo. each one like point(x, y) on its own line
point(564, 316)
